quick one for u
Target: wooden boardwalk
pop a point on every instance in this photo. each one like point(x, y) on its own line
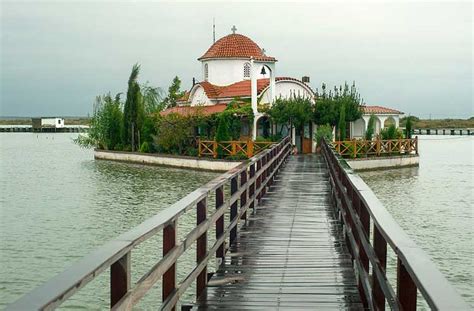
point(291, 254)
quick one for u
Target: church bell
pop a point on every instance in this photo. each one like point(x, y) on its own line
point(263, 72)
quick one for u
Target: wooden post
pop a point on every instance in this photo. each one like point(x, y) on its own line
point(201, 247)
point(214, 149)
point(251, 190)
point(199, 147)
point(234, 148)
point(243, 196)
point(119, 279)
point(259, 180)
point(406, 288)
point(220, 253)
point(380, 249)
point(416, 145)
point(378, 146)
point(233, 208)
point(169, 277)
point(354, 144)
point(250, 148)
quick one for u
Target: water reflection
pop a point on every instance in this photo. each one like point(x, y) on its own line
point(58, 204)
point(434, 205)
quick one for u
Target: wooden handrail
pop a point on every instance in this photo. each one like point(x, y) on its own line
point(357, 148)
point(116, 253)
point(248, 148)
point(358, 207)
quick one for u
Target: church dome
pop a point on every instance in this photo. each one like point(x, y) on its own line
point(235, 46)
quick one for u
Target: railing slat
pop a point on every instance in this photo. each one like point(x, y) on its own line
point(406, 288)
point(201, 247)
point(233, 208)
point(220, 221)
point(169, 277)
point(119, 279)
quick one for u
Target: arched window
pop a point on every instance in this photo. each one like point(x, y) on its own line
point(247, 70)
point(206, 71)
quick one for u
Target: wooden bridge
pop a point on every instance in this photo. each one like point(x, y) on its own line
point(301, 232)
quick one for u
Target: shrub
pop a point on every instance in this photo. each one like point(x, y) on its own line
point(145, 147)
point(323, 132)
point(391, 132)
point(370, 128)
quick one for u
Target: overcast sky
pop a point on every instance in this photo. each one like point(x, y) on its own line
point(412, 56)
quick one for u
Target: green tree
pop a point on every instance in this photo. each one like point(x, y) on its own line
point(105, 130)
point(323, 132)
point(329, 104)
point(292, 112)
point(369, 133)
point(152, 99)
point(133, 111)
point(174, 93)
point(408, 127)
point(341, 126)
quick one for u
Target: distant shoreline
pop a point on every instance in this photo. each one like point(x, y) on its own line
point(422, 124)
point(27, 121)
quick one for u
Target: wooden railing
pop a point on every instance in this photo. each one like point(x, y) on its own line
point(247, 148)
point(369, 148)
point(369, 228)
point(248, 183)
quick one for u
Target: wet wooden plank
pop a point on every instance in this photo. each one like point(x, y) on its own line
point(291, 254)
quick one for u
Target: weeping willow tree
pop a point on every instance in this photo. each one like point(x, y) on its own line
point(133, 113)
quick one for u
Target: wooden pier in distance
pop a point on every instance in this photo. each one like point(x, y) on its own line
point(293, 232)
point(444, 131)
point(30, 129)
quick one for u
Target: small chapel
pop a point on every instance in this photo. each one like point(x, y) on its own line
point(236, 67)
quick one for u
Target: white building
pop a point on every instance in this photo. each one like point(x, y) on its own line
point(236, 67)
point(48, 122)
point(384, 117)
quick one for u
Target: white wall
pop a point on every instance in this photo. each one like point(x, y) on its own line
point(285, 89)
point(199, 97)
point(55, 122)
point(227, 71)
point(358, 128)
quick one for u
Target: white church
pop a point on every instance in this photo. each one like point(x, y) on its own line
point(236, 67)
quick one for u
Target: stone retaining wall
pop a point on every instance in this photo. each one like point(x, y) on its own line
point(383, 162)
point(166, 160)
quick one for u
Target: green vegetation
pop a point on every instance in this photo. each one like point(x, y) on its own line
point(293, 112)
point(106, 124)
point(330, 106)
point(369, 133)
point(174, 93)
point(391, 132)
point(323, 132)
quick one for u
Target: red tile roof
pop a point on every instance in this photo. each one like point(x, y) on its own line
point(379, 110)
point(238, 89)
point(191, 110)
point(236, 46)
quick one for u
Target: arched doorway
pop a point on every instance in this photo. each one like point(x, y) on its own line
point(389, 121)
point(263, 127)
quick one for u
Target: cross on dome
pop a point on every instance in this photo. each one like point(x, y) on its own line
point(234, 29)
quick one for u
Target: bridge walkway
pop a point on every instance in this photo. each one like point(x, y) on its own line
point(291, 254)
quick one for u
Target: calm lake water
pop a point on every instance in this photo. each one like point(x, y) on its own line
point(58, 204)
point(434, 204)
